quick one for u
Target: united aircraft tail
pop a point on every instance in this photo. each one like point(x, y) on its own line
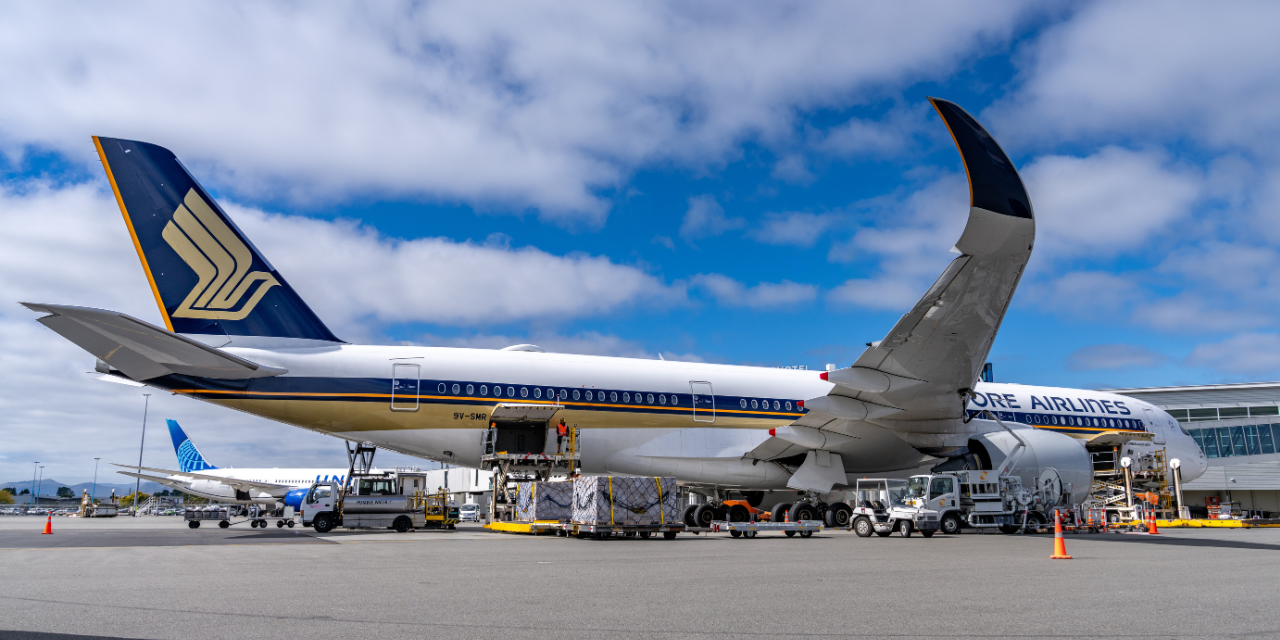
point(206, 275)
point(189, 458)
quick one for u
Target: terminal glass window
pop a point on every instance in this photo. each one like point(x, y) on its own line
point(1233, 412)
point(1237, 441)
point(1224, 442)
point(1251, 440)
point(1199, 415)
point(1265, 438)
point(1179, 414)
point(1210, 444)
point(1264, 411)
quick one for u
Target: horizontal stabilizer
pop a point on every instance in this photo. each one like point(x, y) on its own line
point(143, 351)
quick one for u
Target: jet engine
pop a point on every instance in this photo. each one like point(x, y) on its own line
point(1052, 465)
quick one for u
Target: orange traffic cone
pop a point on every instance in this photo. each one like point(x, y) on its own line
point(1151, 524)
point(786, 516)
point(1059, 543)
point(48, 525)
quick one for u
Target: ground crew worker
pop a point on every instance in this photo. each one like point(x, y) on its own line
point(562, 430)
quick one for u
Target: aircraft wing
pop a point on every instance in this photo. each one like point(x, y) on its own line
point(168, 482)
point(242, 485)
point(143, 351)
point(918, 377)
point(915, 381)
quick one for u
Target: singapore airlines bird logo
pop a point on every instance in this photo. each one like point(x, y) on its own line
point(219, 258)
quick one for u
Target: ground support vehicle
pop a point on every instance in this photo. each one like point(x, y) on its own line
point(881, 507)
point(836, 514)
point(384, 500)
point(603, 531)
point(803, 528)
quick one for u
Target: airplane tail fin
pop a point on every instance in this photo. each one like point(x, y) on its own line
point(189, 458)
point(207, 277)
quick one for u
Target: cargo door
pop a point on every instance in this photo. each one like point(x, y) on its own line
point(521, 428)
point(704, 402)
point(404, 386)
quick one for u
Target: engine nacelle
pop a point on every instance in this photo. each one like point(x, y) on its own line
point(1052, 465)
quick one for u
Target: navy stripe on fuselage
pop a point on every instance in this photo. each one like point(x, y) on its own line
point(380, 390)
point(1065, 423)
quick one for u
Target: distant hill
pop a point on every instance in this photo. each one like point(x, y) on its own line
point(49, 487)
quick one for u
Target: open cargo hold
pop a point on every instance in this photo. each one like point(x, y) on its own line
point(625, 500)
point(543, 501)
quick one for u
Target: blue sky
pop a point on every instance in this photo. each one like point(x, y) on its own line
point(763, 188)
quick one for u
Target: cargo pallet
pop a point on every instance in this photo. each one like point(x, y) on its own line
point(601, 531)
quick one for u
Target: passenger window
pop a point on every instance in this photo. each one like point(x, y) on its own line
point(551, 394)
point(497, 391)
point(788, 405)
point(589, 395)
point(537, 393)
point(743, 403)
point(442, 389)
point(755, 404)
point(524, 392)
point(613, 396)
point(471, 389)
point(484, 390)
point(511, 392)
point(662, 399)
point(675, 399)
point(776, 405)
point(638, 398)
point(575, 394)
point(649, 398)
point(456, 389)
point(626, 397)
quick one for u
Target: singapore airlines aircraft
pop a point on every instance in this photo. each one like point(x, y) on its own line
point(237, 335)
point(199, 478)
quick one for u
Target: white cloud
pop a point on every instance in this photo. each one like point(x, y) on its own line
point(1204, 71)
point(1109, 202)
point(1251, 354)
point(1113, 357)
point(909, 248)
point(1088, 295)
point(793, 168)
point(793, 228)
point(706, 218)
point(890, 136)
point(510, 105)
point(731, 293)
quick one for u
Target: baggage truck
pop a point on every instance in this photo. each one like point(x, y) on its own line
point(391, 500)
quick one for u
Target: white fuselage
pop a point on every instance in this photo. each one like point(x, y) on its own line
point(290, 479)
point(634, 416)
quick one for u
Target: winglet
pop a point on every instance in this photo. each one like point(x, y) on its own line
point(189, 458)
point(994, 184)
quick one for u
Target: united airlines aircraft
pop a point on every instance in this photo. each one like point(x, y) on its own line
point(237, 335)
point(199, 478)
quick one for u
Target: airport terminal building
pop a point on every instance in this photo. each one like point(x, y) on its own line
point(1238, 428)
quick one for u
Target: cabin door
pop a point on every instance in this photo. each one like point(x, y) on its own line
point(704, 402)
point(404, 387)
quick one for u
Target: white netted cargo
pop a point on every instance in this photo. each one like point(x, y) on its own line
point(543, 501)
point(625, 500)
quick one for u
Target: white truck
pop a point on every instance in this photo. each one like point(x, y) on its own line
point(884, 505)
point(393, 500)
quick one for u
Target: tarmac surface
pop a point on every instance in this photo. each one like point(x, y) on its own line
point(154, 578)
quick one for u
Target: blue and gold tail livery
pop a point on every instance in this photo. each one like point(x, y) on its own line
point(206, 276)
point(189, 458)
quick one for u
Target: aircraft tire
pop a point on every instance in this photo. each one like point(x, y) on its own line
point(223, 524)
point(402, 524)
point(838, 515)
point(688, 516)
point(194, 524)
point(739, 513)
point(776, 515)
point(323, 523)
point(802, 511)
point(863, 527)
point(950, 524)
point(704, 515)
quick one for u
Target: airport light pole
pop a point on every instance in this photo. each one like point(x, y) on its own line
point(40, 481)
point(94, 495)
point(32, 500)
point(137, 484)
